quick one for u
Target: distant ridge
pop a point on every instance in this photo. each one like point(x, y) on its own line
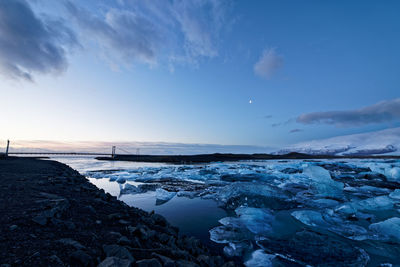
point(218, 157)
point(384, 142)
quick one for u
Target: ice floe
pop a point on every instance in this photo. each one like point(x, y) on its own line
point(325, 212)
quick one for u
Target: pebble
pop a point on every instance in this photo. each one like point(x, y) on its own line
point(81, 258)
point(115, 262)
point(148, 263)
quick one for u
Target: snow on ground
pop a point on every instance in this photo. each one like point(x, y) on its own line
point(380, 142)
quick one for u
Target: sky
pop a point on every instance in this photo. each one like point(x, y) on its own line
point(251, 73)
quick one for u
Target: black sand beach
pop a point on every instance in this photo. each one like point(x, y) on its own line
point(52, 216)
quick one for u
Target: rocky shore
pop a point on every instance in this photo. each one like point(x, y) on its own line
point(52, 216)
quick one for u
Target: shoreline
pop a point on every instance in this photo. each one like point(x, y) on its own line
point(227, 157)
point(53, 216)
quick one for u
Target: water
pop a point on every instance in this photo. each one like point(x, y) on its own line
point(193, 217)
point(312, 212)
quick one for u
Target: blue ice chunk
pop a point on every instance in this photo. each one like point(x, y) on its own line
point(395, 194)
point(389, 228)
point(260, 259)
point(322, 181)
point(164, 195)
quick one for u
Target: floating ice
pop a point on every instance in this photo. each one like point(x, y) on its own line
point(331, 223)
point(237, 249)
point(275, 200)
point(395, 194)
point(121, 180)
point(228, 234)
point(374, 204)
point(260, 259)
point(256, 220)
point(323, 182)
point(389, 228)
point(393, 174)
point(309, 217)
point(163, 196)
point(129, 189)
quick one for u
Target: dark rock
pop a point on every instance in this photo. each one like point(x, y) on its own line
point(124, 222)
point(115, 262)
point(115, 216)
point(13, 227)
point(113, 236)
point(232, 264)
point(117, 251)
point(40, 219)
point(124, 241)
point(166, 262)
point(160, 220)
point(80, 258)
point(72, 243)
point(148, 263)
point(184, 263)
point(55, 260)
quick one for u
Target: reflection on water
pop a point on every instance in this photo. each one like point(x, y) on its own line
point(193, 216)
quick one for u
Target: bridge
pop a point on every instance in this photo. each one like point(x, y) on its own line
point(112, 154)
point(62, 153)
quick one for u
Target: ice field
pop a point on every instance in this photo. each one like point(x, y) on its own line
point(297, 213)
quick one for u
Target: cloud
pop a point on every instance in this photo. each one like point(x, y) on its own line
point(267, 116)
point(121, 33)
point(295, 130)
point(150, 32)
point(283, 123)
point(268, 63)
point(384, 111)
point(31, 44)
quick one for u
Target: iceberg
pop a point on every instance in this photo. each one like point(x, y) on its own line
point(256, 220)
point(259, 259)
point(121, 180)
point(129, 189)
point(309, 217)
point(395, 194)
point(228, 233)
point(389, 228)
point(322, 181)
point(374, 204)
point(331, 223)
point(163, 196)
point(393, 174)
point(237, 249)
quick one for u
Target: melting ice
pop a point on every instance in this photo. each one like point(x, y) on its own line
point(283, 213)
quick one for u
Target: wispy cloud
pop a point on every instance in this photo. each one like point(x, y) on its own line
point(30, 43)
point(384, 111)
point(268, 63)
point(276, 124)
point(154, 32)
point(295, 130)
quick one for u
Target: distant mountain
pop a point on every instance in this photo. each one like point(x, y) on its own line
point(373, 143)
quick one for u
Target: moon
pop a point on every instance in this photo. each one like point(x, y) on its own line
point(250, 101)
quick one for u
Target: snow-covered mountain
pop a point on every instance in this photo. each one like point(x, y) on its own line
point(380, 142)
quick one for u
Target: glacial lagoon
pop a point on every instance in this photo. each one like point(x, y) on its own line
point(270, 213)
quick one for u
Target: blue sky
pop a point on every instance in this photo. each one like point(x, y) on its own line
point(186, 71)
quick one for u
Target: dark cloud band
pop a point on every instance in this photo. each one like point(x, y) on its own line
point(385, 111)
point(30, 44)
